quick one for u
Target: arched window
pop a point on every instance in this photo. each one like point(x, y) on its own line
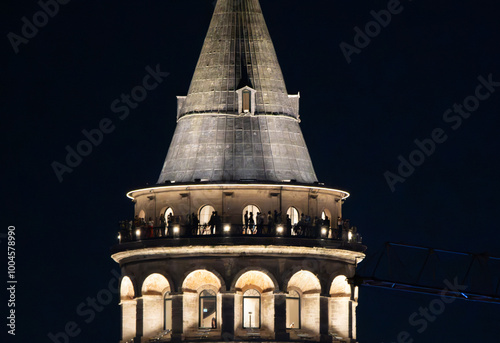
point(293, 310)
point(206, 214)
point(326, 213)
point(142, 215)
point(293, 213)
point(253, 209)
point(167, 323)
point(251, 309)
point(208, 310)
point(167, 213)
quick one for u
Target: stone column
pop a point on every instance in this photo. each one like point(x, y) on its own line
point(139, 322)
point(227, 316)
point(129, 319)
point(177, 317)
point(280, 317)
point(324, 317)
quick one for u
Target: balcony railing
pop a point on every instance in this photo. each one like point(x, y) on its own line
point(132, 233)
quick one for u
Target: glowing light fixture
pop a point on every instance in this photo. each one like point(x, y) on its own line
point(138, 233)
point(227, 228)
point(324, 231)
point(279, 229)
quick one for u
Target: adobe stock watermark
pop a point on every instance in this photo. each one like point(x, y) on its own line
point(420, 319)
point(30, 28)
point(363, 37)
point(454, 117)
point(94, 137)
point(88, 310)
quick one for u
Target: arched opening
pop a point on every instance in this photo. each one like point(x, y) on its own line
point(293, 213)
point(204, 217)
point(126, 289)
point(168, 215)
point(208, 309)
point(293, 310)
point(251, 309)
point(129, 309)
point(201, 299)
point(166, 222)
point(308, 288)
point(341, 307)
point(142, 215)
point(155, 315)
point(249, 218)
point(254, 302)
point(326, 216)
point(340, 287)
point(292, 218)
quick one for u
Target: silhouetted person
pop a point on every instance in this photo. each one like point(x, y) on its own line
point(218, 223)
point(260, 223)
point(245, 217)
point(195, 222)
point(251, 224)
point(211, 223)
point(270, 223)
point(288, 225)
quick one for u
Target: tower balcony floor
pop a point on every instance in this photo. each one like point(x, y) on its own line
point(238, 239)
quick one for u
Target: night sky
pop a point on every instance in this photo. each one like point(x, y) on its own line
point(357, 119)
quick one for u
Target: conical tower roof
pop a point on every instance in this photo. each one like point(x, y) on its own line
point(238, 122)
point(237, 52)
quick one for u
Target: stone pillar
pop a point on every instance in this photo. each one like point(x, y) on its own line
point(227, 326)
point(353, 319)
point(129, 319)
point(139, 322)
point(324, 317)
point(177, 317)
point(280, 317)
point(152, 315)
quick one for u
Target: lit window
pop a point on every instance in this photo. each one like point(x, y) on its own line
point(251, 309)
point(246, 101)
point(208, 310)
point(293, 310)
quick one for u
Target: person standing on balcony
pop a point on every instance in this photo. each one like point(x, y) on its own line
point(251, 224)
point(245, 227)
point(260, 223)
point(340, 226)
point(270, 223)
point(195, 222)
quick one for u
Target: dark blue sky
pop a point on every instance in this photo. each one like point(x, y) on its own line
point(357, 119)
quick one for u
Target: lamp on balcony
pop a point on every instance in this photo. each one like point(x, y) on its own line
point(324, 232)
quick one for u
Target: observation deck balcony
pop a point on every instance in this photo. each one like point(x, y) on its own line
point(178, 235)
